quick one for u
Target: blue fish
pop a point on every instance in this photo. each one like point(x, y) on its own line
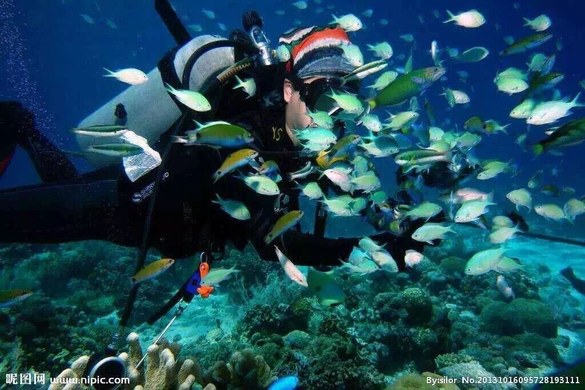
point(285, 383)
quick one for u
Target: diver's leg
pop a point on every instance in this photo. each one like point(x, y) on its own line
point(17, 126)
point(68, 212)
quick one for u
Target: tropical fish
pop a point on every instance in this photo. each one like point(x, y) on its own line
point(115, 150)
point(382, 50)
point(502, 234)
point(283, 53)
point(407, 86)
point(385, 260)
point(233, 161)
point(234, 208)
point(430, 232)
point(152, 270)
point(472, 210)
point(412, 258)
point(353, 54)
point(551, 111)
point(130, 76)
point(101, 130)
point(218, 275)
point(285, 383)
point(504, 288)
point(261, 184)
point(507, 264)
point(474, 54)
point(88, 19)
point(348, 22)
point(573, 208)
point(369, 245)
point(10, 297)
point(311, 190)
point(208, 13)
point(402, 119)
point(384, 79)
point(248, 85)
point(218, 133)
point(469, 19)
point(192, 99)
point(527, 43)
point(550, 211)
point(283, 223)
point(321, 119)
point(523, 110)
point(540, 23)
point(571, 133)
point(347, 102)
point(426, 210)
point(483, 261)
point(520, 197)
point(290, 269)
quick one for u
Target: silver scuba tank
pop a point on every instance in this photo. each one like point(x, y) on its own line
point(150, 111)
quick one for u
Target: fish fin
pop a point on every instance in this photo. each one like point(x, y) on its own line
point(179, 139)
point(451, 17)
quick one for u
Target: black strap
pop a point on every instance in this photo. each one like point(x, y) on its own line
point(172, 21)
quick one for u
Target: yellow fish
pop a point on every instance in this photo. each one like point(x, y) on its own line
point(152, 270)
point(283, 223)
point(233, 161)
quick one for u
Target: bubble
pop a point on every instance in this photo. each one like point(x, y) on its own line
point(16, 64)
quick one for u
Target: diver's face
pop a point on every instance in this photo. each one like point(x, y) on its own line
point(296, 117)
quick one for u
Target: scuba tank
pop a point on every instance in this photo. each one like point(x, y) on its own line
point(139, 100)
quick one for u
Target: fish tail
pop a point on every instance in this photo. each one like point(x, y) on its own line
point(110, 73)
point(170, 88)
point(575, 102)
point(451, 17)
point(179, 139)
point(527, 22)
point(537, 149)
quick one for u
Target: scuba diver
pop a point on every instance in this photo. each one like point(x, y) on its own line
point(111, 204)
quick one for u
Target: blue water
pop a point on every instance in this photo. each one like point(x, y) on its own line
point(52, 60)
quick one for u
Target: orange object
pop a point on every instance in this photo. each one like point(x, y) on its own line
point(204, 291)
point(203, 269)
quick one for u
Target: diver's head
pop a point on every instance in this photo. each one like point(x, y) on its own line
point(316, 67)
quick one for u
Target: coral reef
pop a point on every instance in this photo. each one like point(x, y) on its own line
point(520, 315)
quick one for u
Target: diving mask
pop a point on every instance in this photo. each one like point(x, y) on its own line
point(314, 94)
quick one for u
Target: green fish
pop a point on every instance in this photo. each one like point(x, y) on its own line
point(217, 133)
point(283, 223)
point(234, 208)
point(526, 43)
point(10, 297)
point(541, 82)
point(407, 86)
point(473, 124)
point(475, 54)
point(115, 150)
point(218, 275)
point(420, 157)
point(569, 134)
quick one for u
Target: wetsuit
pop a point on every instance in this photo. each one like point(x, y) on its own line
point(105, 205)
